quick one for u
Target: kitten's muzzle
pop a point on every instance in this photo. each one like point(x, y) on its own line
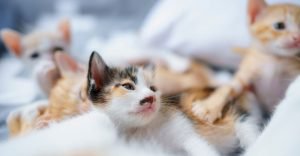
point(149, 99)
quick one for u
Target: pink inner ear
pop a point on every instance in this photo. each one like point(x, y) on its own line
point(255, 7)
point(64, 28)
point(12, 41)
point(66, 64)
point(96, 71)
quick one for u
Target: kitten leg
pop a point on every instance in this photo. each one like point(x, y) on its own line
point(281, 136)
point(248, 127)
point(247, 130)
point(211, 108)
point(196, 146)
point(22, 120)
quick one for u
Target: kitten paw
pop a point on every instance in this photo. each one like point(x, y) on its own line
point(207, 110)
point(22, 120)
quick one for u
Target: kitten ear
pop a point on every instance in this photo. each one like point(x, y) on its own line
point(12, 41)
point(255, 7)
point(65, 28)
point(67, 66)
point(97, 71)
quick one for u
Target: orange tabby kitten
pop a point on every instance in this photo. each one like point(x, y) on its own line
point(269, 65)
point(66, 99)
point(37, 46)
point(36, 49)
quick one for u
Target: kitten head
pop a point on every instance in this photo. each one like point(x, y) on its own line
point(67, 90)
point(64, 68)
point(127, 95)
point(36, 46)
point(276, 28)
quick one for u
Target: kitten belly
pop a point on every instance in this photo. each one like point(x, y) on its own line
point(271, 85)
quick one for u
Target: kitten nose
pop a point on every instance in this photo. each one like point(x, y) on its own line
point(296, 38)
point(149, 99)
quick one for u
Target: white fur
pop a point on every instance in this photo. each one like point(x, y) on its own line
point(120, 108)
point(248, 130)
point(89, 134)
point(171, 130)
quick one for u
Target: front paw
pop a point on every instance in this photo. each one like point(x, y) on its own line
point(207, 110)
point(23, 119)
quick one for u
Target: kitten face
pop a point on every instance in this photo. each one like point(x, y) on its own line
point(276, 27)
point(37, 46)
point(126, 95)
point(41, 46)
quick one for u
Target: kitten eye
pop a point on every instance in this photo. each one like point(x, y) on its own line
point(153, 88)
point(55, 49)
point(128, 86)
point(35, 55)
point(279, 25)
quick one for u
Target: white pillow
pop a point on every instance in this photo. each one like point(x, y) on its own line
point(206, 29)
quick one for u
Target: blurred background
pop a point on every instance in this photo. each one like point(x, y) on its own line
point(104, 15)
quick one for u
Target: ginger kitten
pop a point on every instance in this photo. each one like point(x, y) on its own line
point(270, 64)
point(67, 98)
point(36, 46)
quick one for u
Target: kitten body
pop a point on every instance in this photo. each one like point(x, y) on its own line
point(36, 49)
point(67, 98)
point(134, 105)
point(269, 65)
point(235, 131)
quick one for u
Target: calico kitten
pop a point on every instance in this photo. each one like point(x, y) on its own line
point(37, 45)
point(135, 106)
point(269, 65)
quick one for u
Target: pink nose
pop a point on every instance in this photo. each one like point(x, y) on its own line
point(296, 39)
point(149, 99)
